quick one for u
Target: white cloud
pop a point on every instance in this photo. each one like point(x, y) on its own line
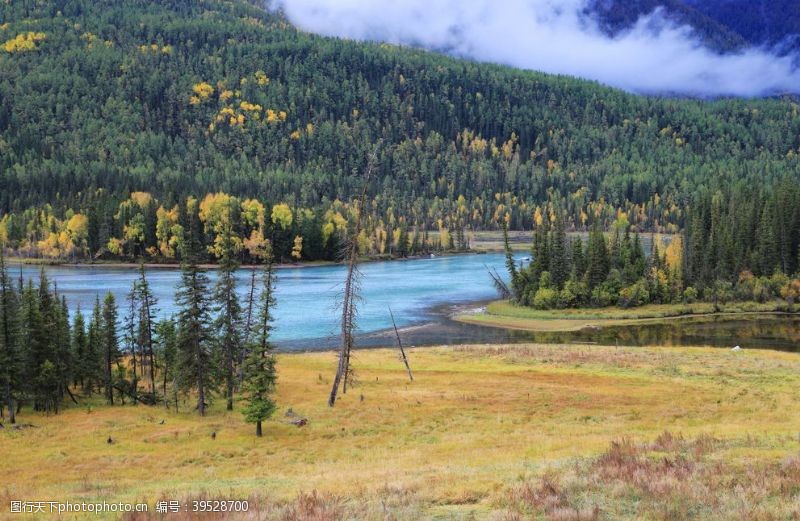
point(552, 36)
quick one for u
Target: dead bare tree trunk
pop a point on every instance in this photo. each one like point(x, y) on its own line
point(344, 372)
point(400, 345)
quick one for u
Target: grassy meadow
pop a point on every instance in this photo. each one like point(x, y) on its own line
point(483, 432)
point(505, 314)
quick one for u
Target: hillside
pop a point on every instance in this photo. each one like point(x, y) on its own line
point(179, 98)
point(776, 22)
point(723, 25)
point(615, 17)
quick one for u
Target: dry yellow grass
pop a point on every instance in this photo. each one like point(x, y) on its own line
point(475, 422)
point(506, 315)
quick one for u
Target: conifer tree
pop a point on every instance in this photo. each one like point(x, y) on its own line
point(110, 344)
point(540, 260)
point(228, 323)
point(578, 258)
point(597, 258)
point(146, 323)
point(558, 261)
point(79, 349)
point(194, 356)
point(9, 340)
point(166, 342)
point(132, 340)
point(93, 370)
point(63, 348)
point(259, 371)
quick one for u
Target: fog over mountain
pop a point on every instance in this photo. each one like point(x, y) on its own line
point(654, 55)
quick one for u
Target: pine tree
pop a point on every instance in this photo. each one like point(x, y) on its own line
point(540, 255)
point(195, 363)
point(259, 371)
point(578, 258)
point(597, 258)
point(147, 314)
point(767, 246)
point(63, 347)
point(35, 342)
point(558, 261)
point(9, 340)
point(93, 370)
point(110, 344)
point(228, 323)
point(516, 282)
point(166, 342)
point(132, 340)
point(403, 242)
point(79, 349)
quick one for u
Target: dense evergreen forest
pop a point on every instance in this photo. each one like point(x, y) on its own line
point(722, 25)
point(214, 346)
point(118, 119)
point(741, 244)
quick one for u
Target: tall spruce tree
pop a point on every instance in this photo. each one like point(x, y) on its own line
point(146, 325)
point(228, 323)
point(93, 370)
point(130, 330)
point(597, 261)
point(558, 262)
point(259, 371)
point(9, 340)
point(110, 344)
point(196, 369)
point(79, 349)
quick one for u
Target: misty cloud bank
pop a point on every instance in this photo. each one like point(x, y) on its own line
point(553, 36)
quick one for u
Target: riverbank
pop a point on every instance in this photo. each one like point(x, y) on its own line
point(537, 423)
point(116, 264)
point(503, 314)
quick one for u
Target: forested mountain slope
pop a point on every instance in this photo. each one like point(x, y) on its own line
point(723, 25)
point(615, 16)
point(99, 99)
point(770, 22)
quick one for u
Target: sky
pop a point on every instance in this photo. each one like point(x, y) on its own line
point(653, 57)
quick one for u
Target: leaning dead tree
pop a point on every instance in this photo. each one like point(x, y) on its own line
point(350, 292)
point(498, 282)
point(400, 345)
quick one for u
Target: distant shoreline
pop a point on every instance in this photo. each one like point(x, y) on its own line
point(502, 314)
point(17, 261)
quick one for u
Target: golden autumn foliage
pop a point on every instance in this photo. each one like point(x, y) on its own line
point(169, 233)
point(156, 49)
point(282, 215)
point(78, 227)
point(24, 42)
point(297, 248)
point(256, 245)
point(217, 213)
point(202, 91)
point(250, 107)
point(538, 219)
point(261, 78)
point(142, 199)
point(275, 116)
point(254, 213)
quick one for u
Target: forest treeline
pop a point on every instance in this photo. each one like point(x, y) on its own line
point(101, 100)
point(142, 228)
point(215, 345)
point(741, 244)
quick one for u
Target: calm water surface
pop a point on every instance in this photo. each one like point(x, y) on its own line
point(307, 297)
point(422, 293)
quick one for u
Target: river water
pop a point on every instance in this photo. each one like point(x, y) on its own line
point(422, 293)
